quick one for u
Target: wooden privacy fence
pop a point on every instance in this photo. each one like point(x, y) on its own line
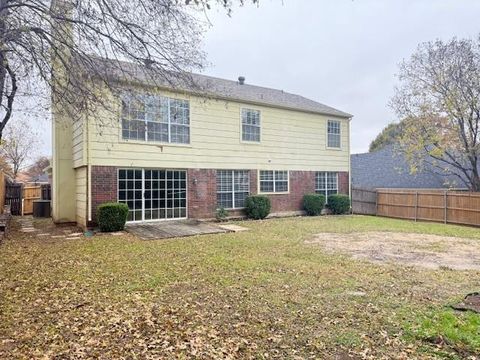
point(13, 197)
point(364, 201)
point(30, 193)
point(455, 207)
point(46, 192)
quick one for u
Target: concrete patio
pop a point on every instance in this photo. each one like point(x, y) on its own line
point(173, 229)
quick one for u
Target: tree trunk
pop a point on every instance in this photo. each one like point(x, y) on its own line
point(475, 182)
point(7, 96)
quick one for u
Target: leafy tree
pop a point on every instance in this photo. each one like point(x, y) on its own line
point(439, 93)
point(36, 37)
point(390, 135)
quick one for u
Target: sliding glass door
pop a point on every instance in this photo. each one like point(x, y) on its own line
point(153, 194)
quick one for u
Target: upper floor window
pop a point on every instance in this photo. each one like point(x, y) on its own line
point(273, 181)
point(333, 134)
point(250, 125)
point(155, 118)
point(326, 183)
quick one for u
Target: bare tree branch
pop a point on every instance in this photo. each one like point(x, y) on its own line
point(58, 43)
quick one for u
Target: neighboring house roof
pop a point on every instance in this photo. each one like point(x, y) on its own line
point(387, 168)
point(42, 178)
point(25, 178)
point(212, 87)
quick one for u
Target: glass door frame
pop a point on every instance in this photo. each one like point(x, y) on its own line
point(143, 193)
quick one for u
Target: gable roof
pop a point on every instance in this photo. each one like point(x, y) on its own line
point(211, 87)
point(387, 168)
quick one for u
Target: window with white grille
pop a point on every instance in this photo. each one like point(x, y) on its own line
point(333, 134)
point(326, 183)
point(273, 181)
point(155, 118)
point(233, 187)
point(251, 125)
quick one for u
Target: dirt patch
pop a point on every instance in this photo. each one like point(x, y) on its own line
point(429, 251)
point(471, 302)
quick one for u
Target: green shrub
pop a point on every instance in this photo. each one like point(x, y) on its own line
point(257, 207)
point(112, 216)
point(221, 214)
point(339, 204)
point(313, 204)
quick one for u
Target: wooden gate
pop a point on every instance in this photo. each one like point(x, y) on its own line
point(30, 193)
point(13, 197)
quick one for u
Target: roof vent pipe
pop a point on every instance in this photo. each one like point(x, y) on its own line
point(241, 80)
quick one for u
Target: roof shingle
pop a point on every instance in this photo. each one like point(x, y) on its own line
point(214, 87)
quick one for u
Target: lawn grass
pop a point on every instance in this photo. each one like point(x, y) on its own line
point(258, 294)
point(446, 326)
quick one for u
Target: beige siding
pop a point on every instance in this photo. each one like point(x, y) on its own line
point(291, 140)
point(81, 195)
point(78, 144)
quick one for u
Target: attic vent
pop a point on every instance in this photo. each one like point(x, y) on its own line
point(241, 80)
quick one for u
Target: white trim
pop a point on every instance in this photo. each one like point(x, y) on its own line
point(152, 143)
point(89, 193)
point(143, 194)
point(169, 122)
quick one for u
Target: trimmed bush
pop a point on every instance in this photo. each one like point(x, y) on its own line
point(313, 204)
point(257, 207)
point(112, 216)
point(339, 204)
point(221, 214)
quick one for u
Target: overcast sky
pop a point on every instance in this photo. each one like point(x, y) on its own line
point(342, 53)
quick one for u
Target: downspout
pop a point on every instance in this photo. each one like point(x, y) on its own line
point(349, 161)
point(89, 176)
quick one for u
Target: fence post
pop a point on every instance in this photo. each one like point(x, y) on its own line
point(445, 203)
point(376, 202)
point(416, 205)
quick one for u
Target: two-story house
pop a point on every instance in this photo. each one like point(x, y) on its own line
point(174, 153)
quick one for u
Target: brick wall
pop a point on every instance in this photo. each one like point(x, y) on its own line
point(202, 193)
point(343, 186)
point(301, 183)
point(202, 190)
point(104, 187)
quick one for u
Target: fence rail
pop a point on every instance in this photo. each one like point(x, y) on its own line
point(447, 206)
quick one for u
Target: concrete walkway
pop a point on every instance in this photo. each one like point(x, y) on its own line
point(172, 228)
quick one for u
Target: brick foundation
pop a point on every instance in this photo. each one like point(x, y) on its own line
point(343, 183)
point(202, 187)
point(202, 193)
point(104, 187)
point(301, 183)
